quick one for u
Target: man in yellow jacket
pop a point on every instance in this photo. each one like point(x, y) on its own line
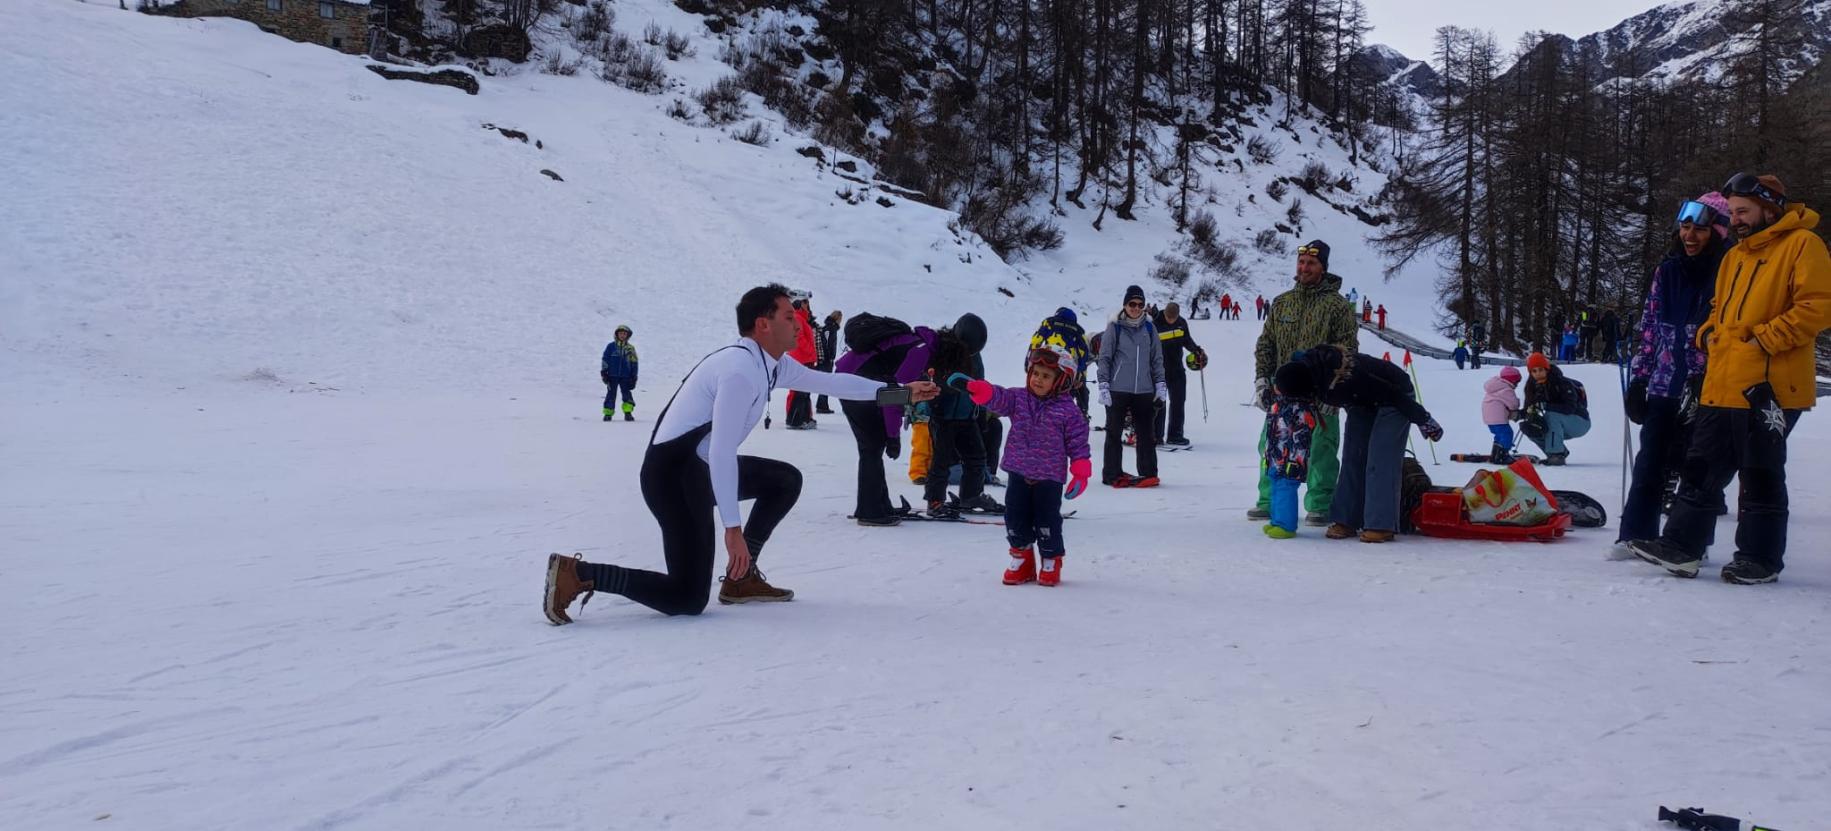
point(1773, 295)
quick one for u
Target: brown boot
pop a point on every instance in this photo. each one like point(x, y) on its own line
point(1338, 531)
point(563, 586)
point(1376, 536)
point(751, 588)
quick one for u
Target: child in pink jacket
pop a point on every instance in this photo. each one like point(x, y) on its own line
point(1498, 409)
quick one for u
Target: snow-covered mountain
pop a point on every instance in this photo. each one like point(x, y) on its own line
point(1697, 39)
point(1416, 78)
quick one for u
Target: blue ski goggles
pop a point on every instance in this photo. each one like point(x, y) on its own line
point(1695, 213)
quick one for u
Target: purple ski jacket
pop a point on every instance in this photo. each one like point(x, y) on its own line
point(876, 363)
point(1045, 433)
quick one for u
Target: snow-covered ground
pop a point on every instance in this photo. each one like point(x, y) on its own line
point(244, 602)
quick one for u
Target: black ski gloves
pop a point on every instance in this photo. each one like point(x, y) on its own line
point(1635, 405)
point(893, 447)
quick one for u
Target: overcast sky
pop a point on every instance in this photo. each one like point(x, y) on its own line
point(1408, 25)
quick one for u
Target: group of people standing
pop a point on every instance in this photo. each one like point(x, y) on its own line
point(1723, 367)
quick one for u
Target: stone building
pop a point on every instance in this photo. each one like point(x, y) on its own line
point(342, 25)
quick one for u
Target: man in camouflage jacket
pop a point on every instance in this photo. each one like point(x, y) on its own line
point(1311, 314)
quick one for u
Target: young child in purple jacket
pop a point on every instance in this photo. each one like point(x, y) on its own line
point(1046, 448)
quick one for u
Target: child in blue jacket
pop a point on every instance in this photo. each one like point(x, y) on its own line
point(618, 371)
point(1288, 426)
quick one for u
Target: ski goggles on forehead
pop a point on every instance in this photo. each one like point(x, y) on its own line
point(1746, 184)
point(1047, 357)
point(1310, 250)
point(1695, 213)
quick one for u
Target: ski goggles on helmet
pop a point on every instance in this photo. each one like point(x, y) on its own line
point(1697, 214)
point(1747, 184)
point(1055, 359)
point(1310, 250)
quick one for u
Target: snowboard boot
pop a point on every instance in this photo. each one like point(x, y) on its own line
point(1022, 568)
point(609, 417)
point(1051, 572)
point(1556, 459)
point(1315, 520)
point(1373, 536)
point(1338, 531)
point(564, 586)
point(879, 521)
point(1123, 480)
point(1278, 532)
point(751, 588)
point(1257, 514)
point(1622, 550)
point(1676, 562)
point(1748, 573)
point(1147, 482)
point(629, 416)
point(1178, 441)
point(942, 510)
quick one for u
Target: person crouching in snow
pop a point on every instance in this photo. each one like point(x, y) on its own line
point(1288, 427)
point(1557, 409)
point(1046, 448)
point(1499, 409)
point(1380, 405)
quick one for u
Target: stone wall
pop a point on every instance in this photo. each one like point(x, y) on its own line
point(300, 20)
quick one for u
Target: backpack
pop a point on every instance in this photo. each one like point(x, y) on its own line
point(865, 331)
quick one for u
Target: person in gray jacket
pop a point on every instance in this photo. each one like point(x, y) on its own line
point(1131, 382)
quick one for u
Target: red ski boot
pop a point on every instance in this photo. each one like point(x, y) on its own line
point(1051, 575)
point(1022, 569)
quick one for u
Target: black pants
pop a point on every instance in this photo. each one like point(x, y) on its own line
point(1138, 406)
point(1178, 382)
point(867, 422)
point(1726, 444)
point(800, 408)
point(1033, 515)
point(678, 489)
point(955, 443)
point(1659, 432)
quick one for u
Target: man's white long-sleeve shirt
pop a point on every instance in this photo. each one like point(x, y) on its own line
point(730, 389)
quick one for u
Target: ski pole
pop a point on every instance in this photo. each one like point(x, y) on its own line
point(1203, 375)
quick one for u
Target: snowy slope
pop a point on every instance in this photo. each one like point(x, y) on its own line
point(230, 607)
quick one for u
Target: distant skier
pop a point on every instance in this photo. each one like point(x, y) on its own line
point(1567, 345)
point(1461, 355)
point(692, 467)
point(618, 371)
point(1366, 311)
point(1381, 313)
point(1264, 306)
point(800, 408)
point(1048, 459)
point(1173, 333)
point(827, 340)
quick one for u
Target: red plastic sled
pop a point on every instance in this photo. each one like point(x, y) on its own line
point(1440, 514)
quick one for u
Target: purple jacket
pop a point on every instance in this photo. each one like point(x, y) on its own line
point(1045, 433)
point(877, 362)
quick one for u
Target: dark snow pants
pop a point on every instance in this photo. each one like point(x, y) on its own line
point(1726, 444)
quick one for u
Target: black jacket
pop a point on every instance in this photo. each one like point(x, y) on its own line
point(1175, 338)
point(1355, 379)
point(1558, 394)
point(826, 343)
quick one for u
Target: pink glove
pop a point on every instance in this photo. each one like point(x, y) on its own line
point(1078, 472)
point(979, 391)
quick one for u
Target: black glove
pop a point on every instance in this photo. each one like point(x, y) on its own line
point(1635, 405)
point(604, 375)
point(893, 447)
point(1431, 430)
